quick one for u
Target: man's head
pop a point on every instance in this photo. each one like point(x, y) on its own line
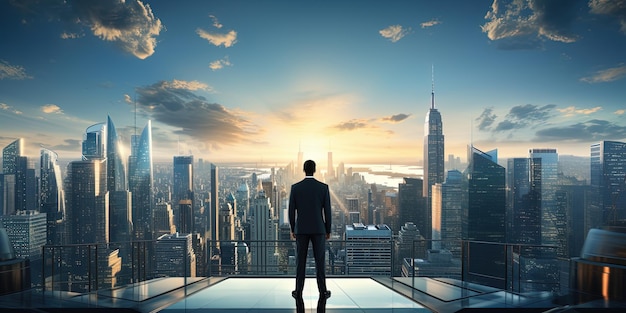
point(309, 167)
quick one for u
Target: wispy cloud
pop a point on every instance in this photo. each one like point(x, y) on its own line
point(486, 119)
point(394, 32)
point(218, 39)
point(176, 104)
point(619, 112)
point(430, 23)
point(572, 110)
point(226, 40)
point(8, 71)
point(616, 9)
point(66, 35)
point(522, 23)
point(607, 75)
point(51, 109)
point(522, 116)
point(8, 108)
point(219, 64)
point(353, 124)
point(129, 24)
point(591, 130)
point(397, 118)
point(216, 22)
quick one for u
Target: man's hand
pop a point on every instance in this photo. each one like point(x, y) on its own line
point(293, 236)
point(327, 236)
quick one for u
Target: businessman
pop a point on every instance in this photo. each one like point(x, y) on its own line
point(310, 220)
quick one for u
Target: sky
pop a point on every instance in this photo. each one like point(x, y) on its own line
point(258, 81)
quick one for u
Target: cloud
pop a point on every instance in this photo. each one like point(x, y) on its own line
point(397, 118)
point(227, 39)
point(619, 112)
point(8, 108)
point(15, 72)
point(129, 24)
point(486, 119)
point(607, 75)
point(219, 64)
point(66, 35)
point(592, 130)
point(529, 21)
point(353, 124)
point(216, 23)
point(613, 8)
point(175, 104)
point(572, 110)
point(521, 116)
point(51, 109)
point(430, 23)
point(394, 32)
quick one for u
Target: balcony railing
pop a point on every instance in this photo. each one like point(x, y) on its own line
point(70, 269)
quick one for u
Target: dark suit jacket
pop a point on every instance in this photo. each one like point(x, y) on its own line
point(309, 207)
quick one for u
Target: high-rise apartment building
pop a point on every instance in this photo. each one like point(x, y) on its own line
point(140, 183)
point(27, 232)
point(368, 249)
point(13, 174)
point(608, 177)
point(433, 157)
point(175, 256)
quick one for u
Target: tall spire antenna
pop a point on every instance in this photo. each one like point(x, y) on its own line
point(135, 113)
point(432, 92)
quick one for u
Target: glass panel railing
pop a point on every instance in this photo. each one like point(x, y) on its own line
point(450, 270)
point(481, 267)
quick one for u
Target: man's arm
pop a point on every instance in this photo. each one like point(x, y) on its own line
point(292, 212)
point(327, 213)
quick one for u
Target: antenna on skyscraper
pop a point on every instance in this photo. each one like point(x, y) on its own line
point(432, 92)
point(135, 116)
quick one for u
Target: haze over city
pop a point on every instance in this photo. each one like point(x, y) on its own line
point(258, 81)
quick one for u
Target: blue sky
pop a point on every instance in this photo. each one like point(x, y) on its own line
point(258, 80)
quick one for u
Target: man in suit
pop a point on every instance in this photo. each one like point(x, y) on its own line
point(310, 220)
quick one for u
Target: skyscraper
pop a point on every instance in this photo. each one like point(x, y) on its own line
point(87, 202)
point(264, 232)
point(116, 176)
point(608, 177)
point(433, 156)
point(553, 220)
point(182, 188)
point(11, 156)
point(448, 210)
point(524, 201)
point(485, 208)
point(120, 206)
point(214, 213)
point(330, 170)
point(411, 207)
point(94, 142)
point(483, 218)
point(10, 153)
point(140, 183)
point(52, 195)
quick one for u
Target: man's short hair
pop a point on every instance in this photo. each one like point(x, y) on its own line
point(309, 167)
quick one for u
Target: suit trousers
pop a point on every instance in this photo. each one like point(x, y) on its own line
point(302, 247)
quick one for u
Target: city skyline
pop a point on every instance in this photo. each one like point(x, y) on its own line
point(219, 80)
